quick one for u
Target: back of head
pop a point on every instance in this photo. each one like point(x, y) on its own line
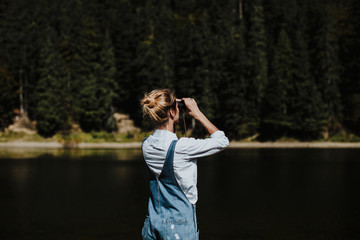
point(156, 105)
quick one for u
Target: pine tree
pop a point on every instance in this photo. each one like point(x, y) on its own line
point(81, 46)
point(185, 60)
point(20, 29)
point(257, 66)
point(107, 92)
point(348, 31)
point(127, 27)
point(156, 52)
point(275, 116)
point(205, 72)
point(280, 14)
point(307, 117)
point(232, 91)
point(99, 88)
point(326, 66)
point(50, 113)
point(8, 86)
point(7, 97)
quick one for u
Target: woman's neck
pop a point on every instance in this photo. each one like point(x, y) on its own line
point(170, 126)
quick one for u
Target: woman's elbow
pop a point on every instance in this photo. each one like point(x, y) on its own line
point(225, 143)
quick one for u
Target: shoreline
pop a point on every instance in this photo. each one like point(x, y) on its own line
point(137, 145)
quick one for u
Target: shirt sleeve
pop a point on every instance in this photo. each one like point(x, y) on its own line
point(195, 148)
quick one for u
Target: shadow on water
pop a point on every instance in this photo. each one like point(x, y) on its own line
point(244, 194)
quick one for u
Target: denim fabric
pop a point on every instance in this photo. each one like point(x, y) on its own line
point(170, 214)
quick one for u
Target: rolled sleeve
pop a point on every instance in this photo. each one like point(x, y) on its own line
point(217, 134)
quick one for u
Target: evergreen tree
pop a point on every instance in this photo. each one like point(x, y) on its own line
point(19, 36)
point(8, 86)
point(307, 116)
point(348, 31)
point(7, 97)
point(257, 66)
point(90, 112)
point(156, 53)
point(214, 31)
point(207, 70)
point(89, 109)
point(275, 111)
point(185, 60)
point(232, 90)
point(50, 113)
point(108, 89)
point(81, 46)
point(99, 90)
point(326, 66)
point(127, 27)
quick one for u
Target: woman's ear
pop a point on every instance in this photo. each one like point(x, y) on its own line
point(172, 113)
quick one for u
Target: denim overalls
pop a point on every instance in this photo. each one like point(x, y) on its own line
point(170, 214)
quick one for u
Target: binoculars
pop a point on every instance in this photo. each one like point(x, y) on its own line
point(181, 105)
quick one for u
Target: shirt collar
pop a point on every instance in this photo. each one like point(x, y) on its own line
point(164, 133)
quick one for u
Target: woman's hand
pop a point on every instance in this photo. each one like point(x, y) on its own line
point(194, 111)
point(192, 108)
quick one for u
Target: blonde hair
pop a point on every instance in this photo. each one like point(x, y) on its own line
point(156, 105)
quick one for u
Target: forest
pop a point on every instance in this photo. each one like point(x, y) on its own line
point(264, 68)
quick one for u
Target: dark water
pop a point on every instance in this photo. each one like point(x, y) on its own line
point(244, 194)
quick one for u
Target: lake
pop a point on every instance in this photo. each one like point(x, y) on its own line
point(250, 194)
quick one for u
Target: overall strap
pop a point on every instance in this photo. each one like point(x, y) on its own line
point(168, 168)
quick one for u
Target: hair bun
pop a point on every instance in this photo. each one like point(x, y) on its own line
point(148, 101)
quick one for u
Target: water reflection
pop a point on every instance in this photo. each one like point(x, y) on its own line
point(279, 194)
point(244, 194)
point(20, 176)
point(27, 153)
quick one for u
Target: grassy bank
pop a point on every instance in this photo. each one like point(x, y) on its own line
point(105, 137)
point(77, 137)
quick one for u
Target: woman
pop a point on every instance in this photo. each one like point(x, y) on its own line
point(172, 166)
